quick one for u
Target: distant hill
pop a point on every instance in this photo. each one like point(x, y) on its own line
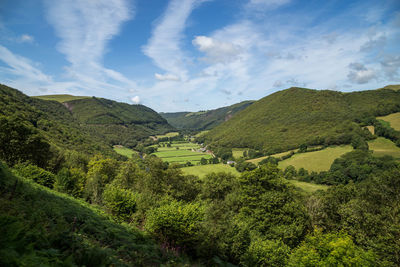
point(119, 123)
point(204, 120)
point(286, 119)
point(60, 98)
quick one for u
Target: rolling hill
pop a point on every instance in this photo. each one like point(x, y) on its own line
point(117, 123)
point(286, 119)
point(204, 120)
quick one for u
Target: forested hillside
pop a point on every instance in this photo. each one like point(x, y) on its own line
point(117, 123)
point(204, 120)
point(289, 118)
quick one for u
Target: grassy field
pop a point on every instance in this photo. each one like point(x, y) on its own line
point(203, 170)
point(382, 146)
point(371, 129)
point(124, 151)
point(277, 155)
point(308, 187)
point(316, 161)
point(61, 98)
point(238, 152)
point(183, 154)
point(170, 134)
point(202, 133)
point(393, 119)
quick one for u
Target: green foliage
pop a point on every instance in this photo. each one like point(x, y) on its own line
point(331, 249)
point(176, 223)
point(121, 202)
point(20, 142)
point(217, 185)
point(287, 119)
point(70, 181)
point(266, 253)
point(242, 165)
point(36, 174)
point(204, 120)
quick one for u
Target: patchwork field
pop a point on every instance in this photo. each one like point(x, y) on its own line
point(277, 155)
point(382, 146)
point(203, 170)
point(308, 187)
point(181, 152)
point(393, 119)
point(316, 161)
point(170, 134)
point(124, 151)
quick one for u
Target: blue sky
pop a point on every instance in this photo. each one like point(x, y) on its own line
point(189, 55)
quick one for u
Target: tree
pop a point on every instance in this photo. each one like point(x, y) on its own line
point(203, 161)
point(331, 249)
point(121, 202)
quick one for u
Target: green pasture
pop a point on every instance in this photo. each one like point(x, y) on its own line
point(61, 98)
point(382, 146)
point(393, 119)
point(238, 152)
point(124, 151)
point(203, 170)
point(277, 155)
point(180, 152)
point(170, 134)
point(308, 187)
point(317, 160)
point(202, 133)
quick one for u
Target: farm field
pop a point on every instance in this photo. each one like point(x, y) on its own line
point(181, 152)
point(124, 151)
point(308, 187)
point(170, 134)
point(371, 129)
point(203, 170)
point(393, 119)
point(202, 133)
point(382, 146)
point(277, 155)
point(316, 161)
point(238, 152)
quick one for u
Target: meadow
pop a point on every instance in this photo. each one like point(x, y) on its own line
point(203, 170)
point(317, 160)
point(61, 98)
point(393, 119)
point(382, 146)
point(124, 151)
point(308, 187)
point(170, 134)
point(180, 152)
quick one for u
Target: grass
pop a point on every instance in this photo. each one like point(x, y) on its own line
point(308, 187)
point(170, 134)
point(382, 146)
point(316, 161)
point(277, 155)
point(124, 151)
point(61, 98)
point(184, 154)
point(238, 152)
point(371, 129)
point(203, 170)
point(202, 133)
point(393, 119)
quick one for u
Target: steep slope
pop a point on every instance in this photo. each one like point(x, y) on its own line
point(52, 120)
point(118, 123)
point(204, 120)
point(286, 119)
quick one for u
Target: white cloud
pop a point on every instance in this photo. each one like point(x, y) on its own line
point(360, 74)
point(391, 66)
point(25, 38)
point(259, 5)
point(164, 46)
point(166, 77)
point(216, 51)
point(135, 99)
point(85, 27)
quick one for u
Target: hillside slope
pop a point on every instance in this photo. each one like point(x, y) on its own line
point(52, 121)
point(115, 122)
point(286, 119)
point(204, 120)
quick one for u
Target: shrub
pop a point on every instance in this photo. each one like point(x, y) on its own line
point(121, 202)
point(35, 173)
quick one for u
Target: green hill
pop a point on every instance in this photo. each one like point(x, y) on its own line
point(204, 120)
point(60, 98)
point(50, 120)
point(118, 123)
point(286, 119)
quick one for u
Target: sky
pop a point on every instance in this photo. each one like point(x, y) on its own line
point(190, 55)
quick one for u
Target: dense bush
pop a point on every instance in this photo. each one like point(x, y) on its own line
point(36, 174)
